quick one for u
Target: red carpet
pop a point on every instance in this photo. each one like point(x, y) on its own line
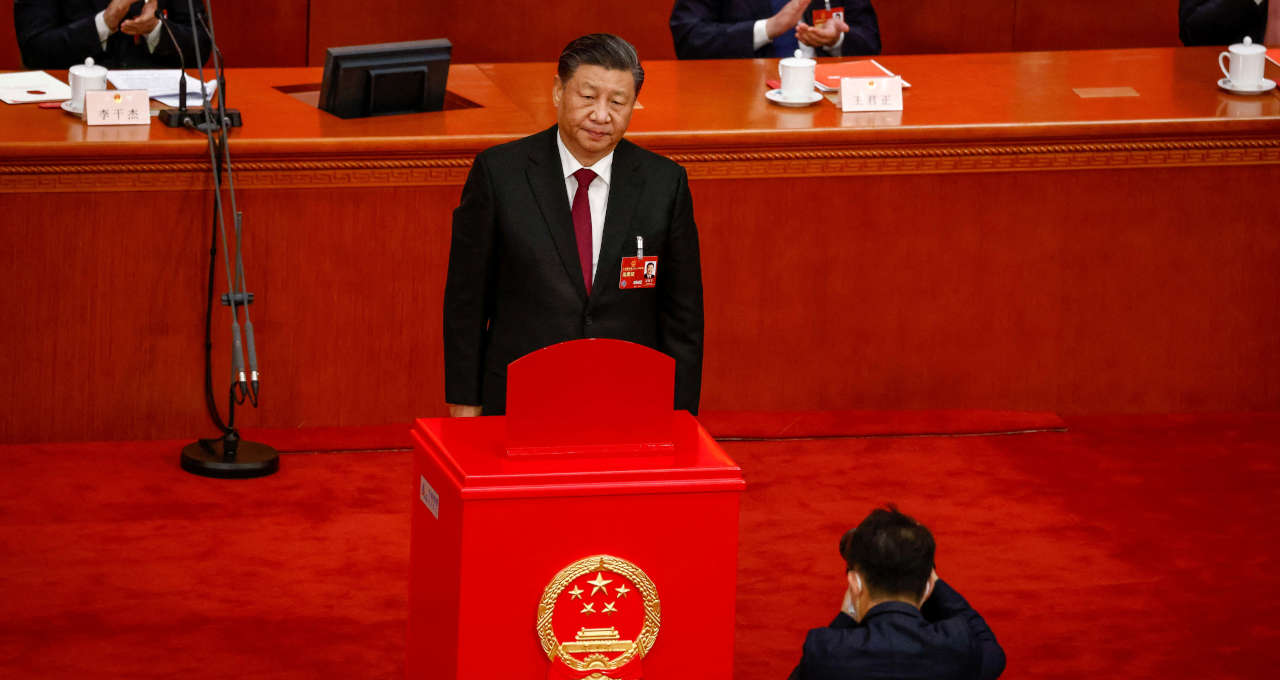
point(1136, 547)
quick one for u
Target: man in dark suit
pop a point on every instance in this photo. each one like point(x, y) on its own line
point(743, 29)
point(58, 34)
point(899, 620)
point(1225, 22)
point(541, 230)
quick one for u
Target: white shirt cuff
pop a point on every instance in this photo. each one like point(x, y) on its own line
point(759, 35)
point(103, 31)
point(834, 49)
point(153, 38)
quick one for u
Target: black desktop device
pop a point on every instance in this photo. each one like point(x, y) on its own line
point(385, 79)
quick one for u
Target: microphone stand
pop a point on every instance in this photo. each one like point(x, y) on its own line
point(226, 456)
point(178, 117)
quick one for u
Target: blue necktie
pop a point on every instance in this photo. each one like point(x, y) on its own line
point(786, 44)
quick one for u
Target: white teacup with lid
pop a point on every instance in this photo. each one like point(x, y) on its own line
point(797, 77)
point(1246, 60)
point(85, 77)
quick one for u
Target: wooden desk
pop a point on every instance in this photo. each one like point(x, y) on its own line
point(1002, 243)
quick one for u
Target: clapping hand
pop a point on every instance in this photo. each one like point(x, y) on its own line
point(825, 35)
point(144, 23)
point(786, 18)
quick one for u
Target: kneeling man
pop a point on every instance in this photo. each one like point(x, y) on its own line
point(899, 620)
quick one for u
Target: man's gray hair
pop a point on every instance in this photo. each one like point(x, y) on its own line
point(600, 49)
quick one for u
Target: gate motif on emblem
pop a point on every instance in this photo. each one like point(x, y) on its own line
point(597, 619)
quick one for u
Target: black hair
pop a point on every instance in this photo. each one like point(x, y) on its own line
point(600, 49)
point(892, 551)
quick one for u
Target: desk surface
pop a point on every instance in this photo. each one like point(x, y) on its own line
point(704, 106)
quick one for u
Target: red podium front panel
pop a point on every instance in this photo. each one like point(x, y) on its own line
point(598, 556)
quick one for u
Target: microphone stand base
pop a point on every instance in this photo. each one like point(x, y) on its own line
point(194, 118)
point(250, 459)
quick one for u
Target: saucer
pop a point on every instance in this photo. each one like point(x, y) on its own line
point(776, 97)
point(66, 106)
point(1264, 85)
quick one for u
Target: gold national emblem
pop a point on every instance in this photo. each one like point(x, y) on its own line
point(598, 618)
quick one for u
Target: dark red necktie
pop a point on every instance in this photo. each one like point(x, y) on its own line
point(582, 222)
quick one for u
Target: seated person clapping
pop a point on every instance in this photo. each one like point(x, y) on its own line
point(742, 29)
point(58, 34)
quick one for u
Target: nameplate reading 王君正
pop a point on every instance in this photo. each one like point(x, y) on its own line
point(871, 94)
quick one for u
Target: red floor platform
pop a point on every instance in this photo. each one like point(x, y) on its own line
point(1136, 547)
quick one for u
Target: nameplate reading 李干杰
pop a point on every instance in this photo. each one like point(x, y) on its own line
point(117, 107)
point(871, 94)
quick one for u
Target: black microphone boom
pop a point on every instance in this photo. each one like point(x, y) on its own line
point(178, 117)
point(193, 118)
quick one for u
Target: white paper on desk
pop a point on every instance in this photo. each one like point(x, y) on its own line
point(161, 84)
point(15, 88)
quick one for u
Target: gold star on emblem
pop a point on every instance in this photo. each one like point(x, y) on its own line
point(610, 609)
point(600, 582)
point(576, 593)
point(588, 608)
point(622, 590)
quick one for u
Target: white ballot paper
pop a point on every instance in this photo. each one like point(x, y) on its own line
point(32, 86)
point(160, 84)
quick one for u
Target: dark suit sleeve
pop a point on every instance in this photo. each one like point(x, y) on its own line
point(467, 288)
point(699, 32)
point(680, 290)
point(47, 44)
point(1220, 22)
point(863, 37)
point(946, 603)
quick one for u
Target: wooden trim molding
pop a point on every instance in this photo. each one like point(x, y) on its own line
point(450, 171)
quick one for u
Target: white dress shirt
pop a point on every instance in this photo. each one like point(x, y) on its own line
point(597, 193)
point(760, 38)
point(153, 38)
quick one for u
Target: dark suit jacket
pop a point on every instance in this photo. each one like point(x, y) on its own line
point(58, 34)
point(722, 29)
point(945, 640)
point(1221, 22)
point(515, 284)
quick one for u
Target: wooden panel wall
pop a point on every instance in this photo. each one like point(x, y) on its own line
point(1095, 24)
point(517, 32)
point(945, 26)
point(1117, 290)
point(297, 32)
point(256, 33)
point(9, 56)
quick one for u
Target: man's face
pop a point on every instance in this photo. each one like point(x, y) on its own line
point(594, 108)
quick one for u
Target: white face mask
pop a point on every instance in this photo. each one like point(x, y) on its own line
point(851, 606)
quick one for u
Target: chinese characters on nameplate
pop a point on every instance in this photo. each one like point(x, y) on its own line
point(871, 94)
point(117, 107)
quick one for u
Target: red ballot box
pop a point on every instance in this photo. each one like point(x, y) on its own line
point(592, 532)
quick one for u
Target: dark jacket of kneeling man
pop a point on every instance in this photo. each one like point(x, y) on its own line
point(945, 639)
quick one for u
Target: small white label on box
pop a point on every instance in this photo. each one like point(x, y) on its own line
point(871, 94)
point(429, 497)
point(117, 107)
